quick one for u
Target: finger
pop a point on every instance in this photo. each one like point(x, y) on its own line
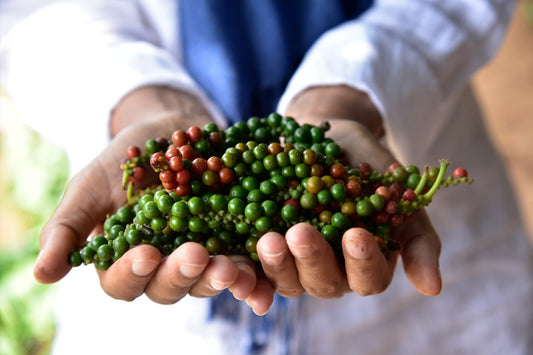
point(278, 265)
point(247, 278)
point(262, 297)
point(367, 269)
point(219, 274)
point(360, 145)
point(319, 272)
point(177, 273)
point(52, 263)
point(420, 252)
point(71, 223)
point(127, 278)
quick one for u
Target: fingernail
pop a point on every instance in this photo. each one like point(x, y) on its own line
point(301, 250)
point(273, 259)
point(143, 267)
point(218, 285)
point(357, 249)
point(191, 270)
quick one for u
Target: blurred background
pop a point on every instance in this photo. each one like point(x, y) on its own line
point(32, 177)
point(34, 173)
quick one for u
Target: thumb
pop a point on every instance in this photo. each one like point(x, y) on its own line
point(83, 206)
point(52, 263)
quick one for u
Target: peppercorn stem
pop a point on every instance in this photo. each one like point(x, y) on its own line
point(443, 166)
point(125, 177)
point(129, 192)
point(422, 182)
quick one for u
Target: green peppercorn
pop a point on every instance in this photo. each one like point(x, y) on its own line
point(217, 202)
point(263, 223)
point(151, 210)
point(125, 214)
point(289, 213)
point(338, 192)
point(236, 206)
point(196, 205)
point(364, 208)
point(255, 196)
point(250, 183)
point(133, 236)
point(267, 187)
point(308, 201)
point(180, 209)
point(75, 259)
point(270, 208)
point(330, 233)
point(253, 211)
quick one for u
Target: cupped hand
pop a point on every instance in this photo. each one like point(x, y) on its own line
point(302, 261)
point(95, 193)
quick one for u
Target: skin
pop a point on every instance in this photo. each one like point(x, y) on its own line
point(297, 263)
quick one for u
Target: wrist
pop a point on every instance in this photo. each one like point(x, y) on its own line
point(150, 102)
point(339, 102)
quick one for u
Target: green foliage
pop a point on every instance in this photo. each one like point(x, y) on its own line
point(33, 175)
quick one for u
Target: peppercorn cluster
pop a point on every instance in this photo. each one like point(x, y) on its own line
point(226, 188)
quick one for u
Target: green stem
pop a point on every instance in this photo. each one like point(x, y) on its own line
point(129, 192)
point(443, 166)
point(125, 177)
point(422, 182)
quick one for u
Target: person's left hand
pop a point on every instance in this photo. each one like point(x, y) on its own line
point(302, 261)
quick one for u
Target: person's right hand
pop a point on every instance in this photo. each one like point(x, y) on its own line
point(95, 192)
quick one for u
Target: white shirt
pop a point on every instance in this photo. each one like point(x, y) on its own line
point(67, 64)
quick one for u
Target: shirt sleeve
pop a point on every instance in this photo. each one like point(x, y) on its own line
point(66, 65)
point(409, 56)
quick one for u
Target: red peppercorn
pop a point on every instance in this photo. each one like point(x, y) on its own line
point(183, 177)
point(176, 163)
point(460, 173)
point(172, 152)
point(226, 175)
point(167, 176)
point(409, 195)
point(396, 191)
point(133, 152)
point(187, 152)
point(183, 190)
point(198, 166)
point(180, 138)
point(215, 139)
point(293, 202)
point(353, 188)
point(170, 185)
point(396, 220)
point(138, 174)
point(392, 167)
point(391, 207)
point(194, 133)
point(364, 168)
point(384, 192)
point(214, 163)
point(337, 170)
point(158, 162)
